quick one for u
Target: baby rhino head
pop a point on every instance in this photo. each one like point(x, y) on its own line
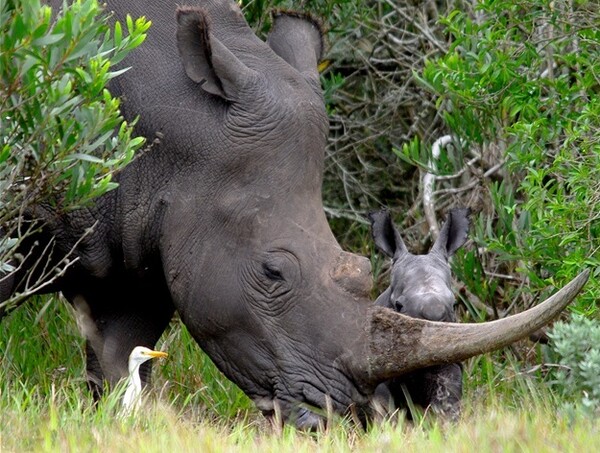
point(420, 285)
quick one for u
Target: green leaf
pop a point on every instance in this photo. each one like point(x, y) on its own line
point(19, 28)
point(129, 21)
point(48, 39)
point(114, 74)
point(118, 34)
point(29, 61)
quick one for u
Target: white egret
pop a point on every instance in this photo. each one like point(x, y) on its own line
point(132, 398)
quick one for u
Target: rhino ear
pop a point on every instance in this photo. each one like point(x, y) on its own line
point(454, 232)
point(298, 39)
point(387, 238)
point(205, 59)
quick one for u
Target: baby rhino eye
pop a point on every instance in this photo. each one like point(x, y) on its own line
point(272, 273)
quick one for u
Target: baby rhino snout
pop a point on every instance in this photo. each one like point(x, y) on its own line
point(434, 309)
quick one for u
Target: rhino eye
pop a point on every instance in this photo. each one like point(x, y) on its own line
point(271, 273)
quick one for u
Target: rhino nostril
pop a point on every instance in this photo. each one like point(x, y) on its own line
point(398, 306)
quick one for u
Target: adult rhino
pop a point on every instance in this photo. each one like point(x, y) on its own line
point(222, 220)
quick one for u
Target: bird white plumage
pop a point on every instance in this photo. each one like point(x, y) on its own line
point(132, 397)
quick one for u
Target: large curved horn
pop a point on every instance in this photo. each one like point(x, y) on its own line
point(398, 344)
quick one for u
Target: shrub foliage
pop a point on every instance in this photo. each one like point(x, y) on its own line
point(577, 345)
point(519, 86)
point(61, 133)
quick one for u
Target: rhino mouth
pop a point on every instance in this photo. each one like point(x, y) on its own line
point(313, 403)
point(302, 417)
point(308, 420)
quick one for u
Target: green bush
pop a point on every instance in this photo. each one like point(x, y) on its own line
point(519, 86)
point(577, 345)
point(60, 126)
point(61, 133)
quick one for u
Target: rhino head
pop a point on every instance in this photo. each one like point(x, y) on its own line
point(420, 285)
point(263, 283)
point(223, 221)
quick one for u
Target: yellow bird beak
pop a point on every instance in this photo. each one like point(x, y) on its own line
point(156, 354)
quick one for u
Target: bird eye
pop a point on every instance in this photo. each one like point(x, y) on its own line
point(272, 273)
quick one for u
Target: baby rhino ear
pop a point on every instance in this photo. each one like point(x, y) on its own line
point(298, 39)
point(454, 232)
point(205, 59)
point(385, 235)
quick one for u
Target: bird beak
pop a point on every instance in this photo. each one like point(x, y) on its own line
point(156, 354)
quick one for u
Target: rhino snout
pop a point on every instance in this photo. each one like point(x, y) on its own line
point(436, 311)
point(431, 307)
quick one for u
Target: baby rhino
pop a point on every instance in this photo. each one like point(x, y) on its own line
point(420, 287)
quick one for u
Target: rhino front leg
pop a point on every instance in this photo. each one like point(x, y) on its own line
point(438, 389)
point(94, 374)
point(112, 331)
point(443, 390)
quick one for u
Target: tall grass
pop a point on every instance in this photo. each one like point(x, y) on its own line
point(45, 406)
point(40, 346)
